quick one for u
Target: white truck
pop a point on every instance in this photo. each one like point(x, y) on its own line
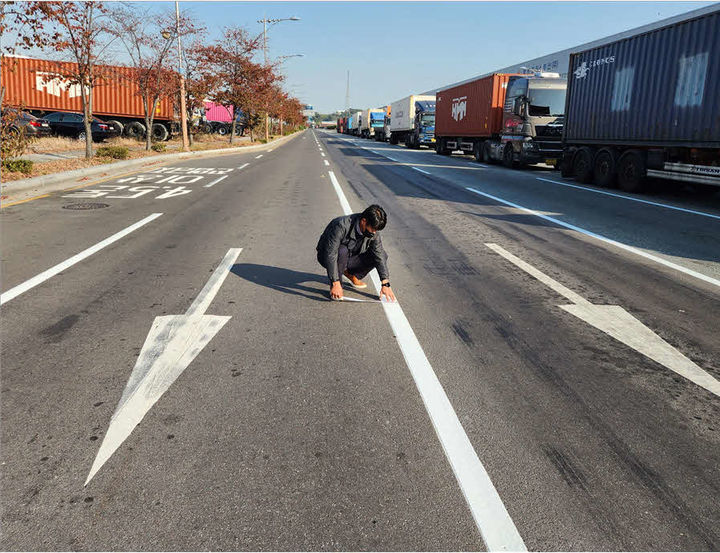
point(372, 120)
point(413, 121)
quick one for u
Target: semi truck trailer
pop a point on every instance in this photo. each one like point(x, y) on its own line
point(382, 134)
point(353, 125)
point(372, 119)
point(38, 87)
point(646, 106)
point(513, 118)
point(413, 121)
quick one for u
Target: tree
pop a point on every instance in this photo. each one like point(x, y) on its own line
point(199, 84)
point(83, 35)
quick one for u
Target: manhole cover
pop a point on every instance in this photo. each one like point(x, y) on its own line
point(86, 206)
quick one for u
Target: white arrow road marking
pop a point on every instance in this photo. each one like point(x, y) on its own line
point(51, 272)
point(621, 325)
point(497, 529)
point(173, 342)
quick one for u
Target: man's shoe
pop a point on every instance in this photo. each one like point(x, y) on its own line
point(355, 281)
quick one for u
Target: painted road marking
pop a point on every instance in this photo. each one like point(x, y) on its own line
point(258, 157)
point(491, 517)
point(621, 325)
point(213, 183)
point(322, 154)
point(623, 196)
point(420, 170)
point(171, 345)
point(605, 239)
point(325, 161)
point(243, 166)
point(45, 275)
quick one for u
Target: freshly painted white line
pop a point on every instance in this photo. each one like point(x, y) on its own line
point(322, 154)
point(631, 249)
point(325, 161)
point(390, 158)
point(621, 325)
point(624, 197)
point(243, 166)
point(258, 157)
point(213, 183)
point(497, 529)
point(171, 345)
point(45, 275)
point(417, 169)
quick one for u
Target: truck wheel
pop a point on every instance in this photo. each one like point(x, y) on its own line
point(393, 139)
point(631, 171)
point(135, 130)
point(159, 132)
point(605, 171)
point(486, 154)
point(583, 165)
point(566, 165)
point(223, 130)
point(440, 147)
point(508, 155)
point(118, 125)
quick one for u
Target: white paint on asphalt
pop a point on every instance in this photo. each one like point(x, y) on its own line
point(632, 199)
point(171, 345)
point(418, 169)
point(322, 154)
point(491, 517)
point(45, 275)
point(213, 183)
point(243, 166)
point(258, 157)
point(621, 325)
point(325, 161)
point(631, 249)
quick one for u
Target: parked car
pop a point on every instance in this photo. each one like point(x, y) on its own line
point(73, 125)
point(22, 121)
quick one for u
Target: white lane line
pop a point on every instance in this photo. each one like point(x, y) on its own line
point(243, 166)
point(170, 346)
point(624, 197)
point(45, 275)
point(322, 154)
point(631, 249)
point(270, 150)
point(325, 161)
point(497, 529)
point(621, 325)
point(213, 183)
point(390, 158)
point(258, 157)
point(420, 170)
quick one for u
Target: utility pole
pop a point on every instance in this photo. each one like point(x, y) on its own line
point(183, 106)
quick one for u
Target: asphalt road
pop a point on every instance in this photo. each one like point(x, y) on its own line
point(500, 400)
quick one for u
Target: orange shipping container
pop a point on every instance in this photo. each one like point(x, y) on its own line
point(473, 109)
point(35, 85)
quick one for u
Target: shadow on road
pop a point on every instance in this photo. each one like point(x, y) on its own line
point(311, 286)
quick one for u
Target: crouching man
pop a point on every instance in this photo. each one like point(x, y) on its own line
point(351, 246)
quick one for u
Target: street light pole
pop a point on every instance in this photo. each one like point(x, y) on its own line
point(183, 105)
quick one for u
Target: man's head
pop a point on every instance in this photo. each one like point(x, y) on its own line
point(372, 220)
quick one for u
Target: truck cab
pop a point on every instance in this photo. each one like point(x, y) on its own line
point(533, 116)
point(423, 133)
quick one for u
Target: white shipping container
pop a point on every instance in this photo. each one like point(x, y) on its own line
point(403, 112)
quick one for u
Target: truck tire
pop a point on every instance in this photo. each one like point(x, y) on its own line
point(605, 171)
point(486, 154)
point(566, 165)
point(118, 125)
point(508, 155)
point(159, 132)
point(631, 171)
point(440, 147)
point(583, 165)
point(223, 129)
point(135, 130)
point(393, 139)
point(478, 151)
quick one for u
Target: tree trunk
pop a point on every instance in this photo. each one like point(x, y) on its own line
point(86, 96)
point(232, 125)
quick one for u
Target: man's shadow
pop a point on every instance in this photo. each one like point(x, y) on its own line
point(308, 285)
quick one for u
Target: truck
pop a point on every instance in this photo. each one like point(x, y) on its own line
point(354, 121)
point(413, 121)
point(646, 106)
point(513, 118)
point(217, 117)
point(341, 124)
point(382, 134)
point(372, 119)
point(38, 86)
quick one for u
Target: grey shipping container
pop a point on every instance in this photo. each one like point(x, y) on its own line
point(646, 105)
point(657, 88)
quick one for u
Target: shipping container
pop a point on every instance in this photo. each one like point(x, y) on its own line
point(372, 119)
point(647, 105)
point(218, 112)
point(471, 109)
point(413, 121)
point(36, 85)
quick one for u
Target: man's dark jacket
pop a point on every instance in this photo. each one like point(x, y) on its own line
point(343, 231)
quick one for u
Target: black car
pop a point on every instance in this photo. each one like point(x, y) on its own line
point(73, 125)
point(22, 121)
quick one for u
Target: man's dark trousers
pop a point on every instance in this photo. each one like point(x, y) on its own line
point(357, 265)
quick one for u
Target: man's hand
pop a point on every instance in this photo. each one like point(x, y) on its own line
point(388, 293)
point(336, 291)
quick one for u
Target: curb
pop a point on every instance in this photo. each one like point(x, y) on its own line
point(57, 181)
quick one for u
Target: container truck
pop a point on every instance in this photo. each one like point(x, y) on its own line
point(354, 122)
point(382, 134)
point(372, 119)
point(413, 121)
point(341, 124)
point(217, 118)
point(646, 106)
point(516, 119)
point(36, 86)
